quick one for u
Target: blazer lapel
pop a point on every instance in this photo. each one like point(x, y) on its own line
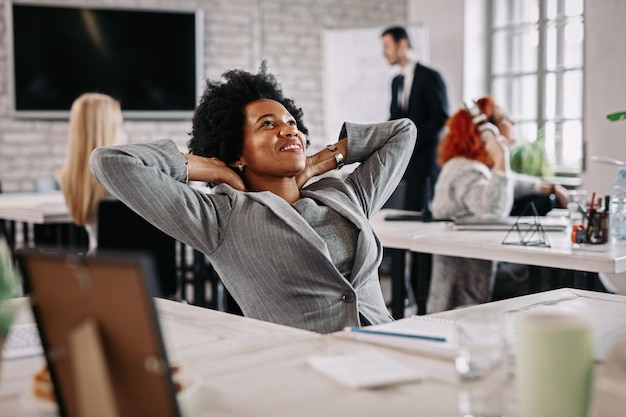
point(334, 199)
point(291, 217)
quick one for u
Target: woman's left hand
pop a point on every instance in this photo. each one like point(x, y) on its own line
point(322, 162)
point(308, 171)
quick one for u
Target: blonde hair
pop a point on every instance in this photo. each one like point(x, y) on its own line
point(95, 120)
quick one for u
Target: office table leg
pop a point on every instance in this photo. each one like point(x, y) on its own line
point(420, 279)
point(398, 285)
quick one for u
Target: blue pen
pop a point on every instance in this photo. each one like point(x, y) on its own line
point(384, 333)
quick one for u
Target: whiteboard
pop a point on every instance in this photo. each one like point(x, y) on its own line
point(357, 77)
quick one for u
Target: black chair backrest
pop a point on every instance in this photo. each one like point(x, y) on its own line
point(120, 228)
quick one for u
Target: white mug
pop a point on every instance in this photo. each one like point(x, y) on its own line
point(554, 365)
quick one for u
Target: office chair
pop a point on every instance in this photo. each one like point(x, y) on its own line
point(120, 228)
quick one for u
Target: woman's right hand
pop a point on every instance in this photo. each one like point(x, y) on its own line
point(213, 170)
point(497, 147)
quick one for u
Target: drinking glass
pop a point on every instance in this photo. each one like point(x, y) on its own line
point(480, 365)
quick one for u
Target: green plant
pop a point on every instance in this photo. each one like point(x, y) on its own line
point(10, 285)
point(614, 117)
point(530, 157)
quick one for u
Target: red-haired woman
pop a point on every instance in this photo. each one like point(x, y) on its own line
point(476, 180)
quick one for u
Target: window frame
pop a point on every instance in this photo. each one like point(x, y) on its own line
point(555, 143)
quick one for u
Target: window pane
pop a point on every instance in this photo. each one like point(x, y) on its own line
point(524, 98)
point(500, 57)
point(518, 96)
point(525, 11)
point(572, 94)
point(516, 50)
point(550, 142)
point(500, 91)
point(515, 11)
point(552, 9)
point(525, 131)
point(574, 7)
point(573, 40)
point(525, 43)
point(572, 144)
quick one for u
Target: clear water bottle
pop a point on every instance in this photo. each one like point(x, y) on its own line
point(618, 206)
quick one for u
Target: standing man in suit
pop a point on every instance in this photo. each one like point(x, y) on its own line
point(418, 93)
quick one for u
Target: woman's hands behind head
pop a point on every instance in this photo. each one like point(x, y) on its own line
point(213, 170)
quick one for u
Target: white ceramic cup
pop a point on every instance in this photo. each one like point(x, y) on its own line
point(554, 366)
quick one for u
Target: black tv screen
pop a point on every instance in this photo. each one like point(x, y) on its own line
point(151, 61)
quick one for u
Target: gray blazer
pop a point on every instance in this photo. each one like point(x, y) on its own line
point(272, 261)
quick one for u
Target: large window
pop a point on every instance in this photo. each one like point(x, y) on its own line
point(537, 73)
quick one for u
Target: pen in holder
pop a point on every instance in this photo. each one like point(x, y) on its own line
point(596, 228)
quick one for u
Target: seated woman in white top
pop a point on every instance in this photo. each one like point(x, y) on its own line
point(95, 121)
point(476, 180)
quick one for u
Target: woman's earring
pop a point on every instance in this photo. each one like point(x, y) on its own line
point(240, 168)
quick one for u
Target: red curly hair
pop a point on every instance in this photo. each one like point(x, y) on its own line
point(462, 137)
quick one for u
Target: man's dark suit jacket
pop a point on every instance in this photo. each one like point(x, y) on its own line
point(428, 109)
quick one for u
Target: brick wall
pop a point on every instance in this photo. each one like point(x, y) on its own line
point(238, 34)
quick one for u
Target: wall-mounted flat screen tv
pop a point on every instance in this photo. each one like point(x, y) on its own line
point(150, 60)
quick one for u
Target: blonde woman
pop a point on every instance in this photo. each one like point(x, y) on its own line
point(95, 120)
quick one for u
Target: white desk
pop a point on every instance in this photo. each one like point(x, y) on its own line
point(39, 208)
point(253, 368)
point(199, 339)
point(608, 258)
point(439, 238)
point(19, 212)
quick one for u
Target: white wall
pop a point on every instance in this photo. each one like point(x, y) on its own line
point(238, 34)
point(605, 90)
point(445, 21)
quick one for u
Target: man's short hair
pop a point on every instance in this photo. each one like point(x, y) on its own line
point(397, 33)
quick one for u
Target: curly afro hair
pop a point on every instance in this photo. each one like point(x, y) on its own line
point(217, 124)
point(462, 137)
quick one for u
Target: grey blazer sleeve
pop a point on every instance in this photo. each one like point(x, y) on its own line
point(149, 178)
point(384, 150)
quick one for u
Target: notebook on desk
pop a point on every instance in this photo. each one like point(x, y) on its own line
point(428, 335)
point(100, 332)
point(548, 223)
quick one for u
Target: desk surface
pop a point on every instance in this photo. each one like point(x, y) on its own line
point(40, 208)
point(439, 238)
point(252, 368)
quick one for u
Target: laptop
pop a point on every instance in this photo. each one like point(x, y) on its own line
point(100, 332)
point(525, 223)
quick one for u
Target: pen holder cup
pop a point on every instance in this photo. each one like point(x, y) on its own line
point(596, 229)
